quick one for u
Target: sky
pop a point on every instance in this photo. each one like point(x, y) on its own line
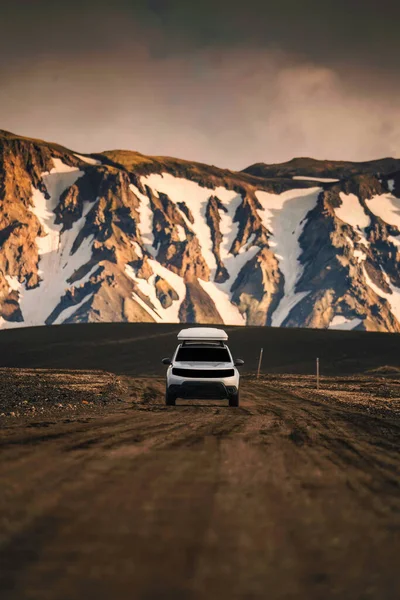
point(219, 82)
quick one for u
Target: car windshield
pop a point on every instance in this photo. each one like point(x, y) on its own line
point(203, 354)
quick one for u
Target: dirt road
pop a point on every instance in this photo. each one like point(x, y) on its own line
point(282, 498)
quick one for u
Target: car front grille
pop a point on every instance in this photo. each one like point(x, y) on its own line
point(203, 373)
point(201, 390)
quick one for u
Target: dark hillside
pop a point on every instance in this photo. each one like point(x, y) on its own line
point(137, 348)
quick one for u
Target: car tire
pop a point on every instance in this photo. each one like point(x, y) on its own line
point(234, 399)
point(169, 398)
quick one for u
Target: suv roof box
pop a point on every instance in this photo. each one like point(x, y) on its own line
point(202, 334)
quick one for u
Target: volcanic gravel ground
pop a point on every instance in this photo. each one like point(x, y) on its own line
point(295, 494)
point(47, 392)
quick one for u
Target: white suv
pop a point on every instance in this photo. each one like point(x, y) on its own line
point(202, 367)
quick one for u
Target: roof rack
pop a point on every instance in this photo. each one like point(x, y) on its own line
point(202, 343)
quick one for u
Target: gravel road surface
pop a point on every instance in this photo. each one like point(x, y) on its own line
point(290, 496)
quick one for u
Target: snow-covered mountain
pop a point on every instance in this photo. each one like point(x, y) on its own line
point(120, 236)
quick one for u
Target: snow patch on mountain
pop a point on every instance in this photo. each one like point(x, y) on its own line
point(176, 282)
point(359, 255)
point(57, 264)
point(221, 294)
point(284, 215)
point(222, 299)
point(59, 179)
point(71, 310)
point(352, 212)
point(394, 240)
point(13, 282)
point(196, 198)
point(320, 179)
point(56, 261)
point(148, 289)
point(87, 159)
point(4, 324)
point(393, 297)
point(146, 220)
point(340, 322)
point(387, 208)
point(138, 249)
point(181, 233)
point(14, 285)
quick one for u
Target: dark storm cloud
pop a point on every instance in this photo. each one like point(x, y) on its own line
point(365, 31)
point(210, 80)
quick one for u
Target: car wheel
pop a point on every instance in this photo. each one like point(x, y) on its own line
point(234, 399)
point(169, 398)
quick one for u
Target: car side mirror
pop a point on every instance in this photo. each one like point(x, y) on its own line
point(238, 362)
point(166, 361)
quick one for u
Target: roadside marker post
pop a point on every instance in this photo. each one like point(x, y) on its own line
point(259, 363)
point(317, 373)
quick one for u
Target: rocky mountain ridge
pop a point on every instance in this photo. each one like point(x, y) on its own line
point(119, 236)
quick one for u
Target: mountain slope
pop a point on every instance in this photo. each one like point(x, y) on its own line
point(119, 236)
